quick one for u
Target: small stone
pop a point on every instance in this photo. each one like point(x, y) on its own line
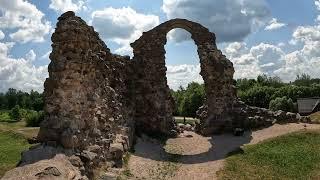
point(108, 176)
point(188, 127)
point(94, 148)
point(88, 156)
point(96, 132)
point(173, 133)
point(32, 140)
point(75, 161)
point(49, 171)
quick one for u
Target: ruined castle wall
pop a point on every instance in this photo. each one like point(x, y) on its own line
point(153, 100)
point(87, 102)
point(94, 100)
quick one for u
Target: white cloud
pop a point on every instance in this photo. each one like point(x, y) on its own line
point(20, 73)
point(62, 6)
point(236, 49)
point(182, 75)
point(249, 63)
point(306, 59)
point(231, 20)
point(25, 19)
point(274, 24)
point(272, 59)
point(2, 35)
point(317, 3)
point(31, 56)
point(297, 63)
point(267, 54)
point(178, 35)
point(122, 26)
point(46, 55)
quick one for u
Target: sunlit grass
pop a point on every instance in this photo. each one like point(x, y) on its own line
point(189, 120)
point(292, 156)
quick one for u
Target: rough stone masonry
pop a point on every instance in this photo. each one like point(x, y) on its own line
point(95, 101)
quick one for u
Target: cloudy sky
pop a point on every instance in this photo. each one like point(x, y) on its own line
point(275, 37)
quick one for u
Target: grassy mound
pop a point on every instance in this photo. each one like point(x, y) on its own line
point(293, 156)
point(11, 147)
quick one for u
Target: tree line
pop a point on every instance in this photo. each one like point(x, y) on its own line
point(264, 92)
point(188, 100)
point(13, 97)
point(19, 105)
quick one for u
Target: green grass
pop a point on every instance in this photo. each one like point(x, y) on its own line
point(11, 146)
point(188, 120)
point(315, 118)
point(13, 135)
point(292, 156)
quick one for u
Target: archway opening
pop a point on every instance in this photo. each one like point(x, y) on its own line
point(183, 77)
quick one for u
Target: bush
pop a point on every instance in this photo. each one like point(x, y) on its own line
point(34, 118)
point(284, 104)
point(15, 113)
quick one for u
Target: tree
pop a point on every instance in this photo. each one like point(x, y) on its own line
point(16, 113)
point(3, 101)
point(188, 101)
point(37, 100)
point(245, 84)
point(303, 80)
point(264, 80)
point(11, 96)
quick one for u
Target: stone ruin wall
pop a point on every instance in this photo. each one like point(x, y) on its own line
point(88, 106)
point(154, 103)
point(95, 101)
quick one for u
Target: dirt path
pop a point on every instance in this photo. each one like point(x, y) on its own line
point(192, 156)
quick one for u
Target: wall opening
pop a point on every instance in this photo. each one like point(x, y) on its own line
point(183, 75)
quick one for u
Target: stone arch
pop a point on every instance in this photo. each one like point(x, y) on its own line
point(154, 104)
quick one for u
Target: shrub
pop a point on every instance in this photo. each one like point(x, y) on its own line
point(15, 113)
point(34, 118)
point(284, 104)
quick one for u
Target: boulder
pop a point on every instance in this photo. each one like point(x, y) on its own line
point(188, 127)
point(59, 168)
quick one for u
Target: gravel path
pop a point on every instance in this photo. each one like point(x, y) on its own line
point(196, 157)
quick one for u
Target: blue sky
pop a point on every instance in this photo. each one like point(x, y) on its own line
point(278, 38)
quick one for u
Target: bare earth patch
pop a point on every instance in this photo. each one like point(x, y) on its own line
point(196, 157)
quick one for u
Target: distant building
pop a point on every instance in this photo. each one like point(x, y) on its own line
point(308, 106)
